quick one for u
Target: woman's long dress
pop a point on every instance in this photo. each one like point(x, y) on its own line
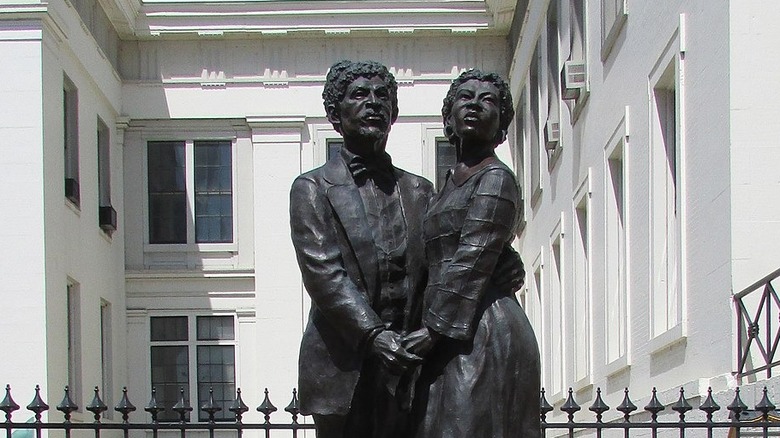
point(481, 380)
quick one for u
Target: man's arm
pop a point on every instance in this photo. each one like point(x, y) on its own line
point(326, 280)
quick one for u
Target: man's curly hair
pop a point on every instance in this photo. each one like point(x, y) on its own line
point(507, 111)
point(344, 72)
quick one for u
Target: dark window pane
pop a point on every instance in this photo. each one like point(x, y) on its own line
point(167, 192)
point(334, 146)
point(215, 328)
point(446, 158)
point(170, 375)
point(216, 372)
point(213, 183)
point(169, 328)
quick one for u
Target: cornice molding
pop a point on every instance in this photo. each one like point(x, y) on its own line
point(290, 18)
point(260, 122)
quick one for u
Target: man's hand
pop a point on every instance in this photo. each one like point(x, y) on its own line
point(509, 271)
point(387, 345)
point(421, 341)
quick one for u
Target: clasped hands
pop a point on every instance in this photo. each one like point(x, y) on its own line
point(401, 353)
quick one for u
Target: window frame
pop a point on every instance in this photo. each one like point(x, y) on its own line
point(554, 303)
point(672, 59)
point(190, 245)
point(71, 138)
point(611, 26)
point(578, 19)
point(617, 146)
point(192, 343)
point(582, 279)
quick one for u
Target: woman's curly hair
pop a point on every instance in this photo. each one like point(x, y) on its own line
point(344, 72)
point(507, 111)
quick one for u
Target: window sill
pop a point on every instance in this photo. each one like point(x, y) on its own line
point(190, 247)
point(73, 207)
point(667, 339)
point(579, 105)
point(583, 384)
point(617, 366)
point(554, 157)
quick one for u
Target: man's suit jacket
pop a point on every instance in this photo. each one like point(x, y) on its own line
point(338, 261)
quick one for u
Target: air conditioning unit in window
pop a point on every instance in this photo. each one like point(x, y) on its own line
point(107, 218)
point(72, 190)
point(574, 78)
point(552, 134)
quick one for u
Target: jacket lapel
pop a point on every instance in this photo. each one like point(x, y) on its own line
point(347, 205)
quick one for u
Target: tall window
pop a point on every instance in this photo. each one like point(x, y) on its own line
point(613, 15)
point(555, 324)
point(205, 182)
point(104, 164)
point(213, 192)
point(616, 266)
point(552, 125)
point(534, 142)
point(106, 354)
point(74, 341)
point(577, 42)
point(446, 158)
point(70, 103)
point(581, 268)
point(574, 76)
point(195, 354)
point(667, 218)
point(519, 158)
point(167, 192)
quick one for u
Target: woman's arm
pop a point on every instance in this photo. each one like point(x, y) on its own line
point(489, 224)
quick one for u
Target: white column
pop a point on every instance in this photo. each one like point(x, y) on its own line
point(22, 241)
point(277, 143)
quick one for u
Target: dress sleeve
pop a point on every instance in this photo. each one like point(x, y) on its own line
point(489, 224)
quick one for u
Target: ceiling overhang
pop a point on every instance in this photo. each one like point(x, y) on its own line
point(182, 18)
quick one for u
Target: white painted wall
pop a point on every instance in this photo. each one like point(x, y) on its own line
point(651, 37)
point(49, 240)
point(23, 266)
point(755, 151)
point(76, 248)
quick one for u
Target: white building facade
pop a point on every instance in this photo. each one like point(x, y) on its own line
point(153, 144)
point(645, 151)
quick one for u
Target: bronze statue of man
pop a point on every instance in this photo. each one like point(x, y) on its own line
point(356, 228)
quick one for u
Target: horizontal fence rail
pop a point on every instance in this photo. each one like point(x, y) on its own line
point(736, 420)
point(757, 309)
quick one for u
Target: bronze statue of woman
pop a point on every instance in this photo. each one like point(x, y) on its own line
point(481, 374)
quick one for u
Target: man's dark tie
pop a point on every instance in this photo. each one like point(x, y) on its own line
point(380, 169)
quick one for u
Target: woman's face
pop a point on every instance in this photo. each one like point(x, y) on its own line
point(476, 112)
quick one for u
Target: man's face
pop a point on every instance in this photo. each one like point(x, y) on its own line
point(366, 112)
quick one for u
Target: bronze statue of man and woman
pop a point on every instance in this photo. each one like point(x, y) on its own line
point(414, 329)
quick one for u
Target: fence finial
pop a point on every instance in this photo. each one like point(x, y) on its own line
point(626, 407)
point(238, 407)
point(598, 406)
point(153, 407)
point(267, 408)
point(124, 406)
point(67, 406)
point(8, 405)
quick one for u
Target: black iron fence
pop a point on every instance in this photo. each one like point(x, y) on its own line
point(758, 328)
point(677, 418)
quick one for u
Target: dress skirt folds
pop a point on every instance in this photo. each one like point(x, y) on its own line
point(481, 380)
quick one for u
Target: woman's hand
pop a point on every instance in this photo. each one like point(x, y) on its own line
point(421, 341)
